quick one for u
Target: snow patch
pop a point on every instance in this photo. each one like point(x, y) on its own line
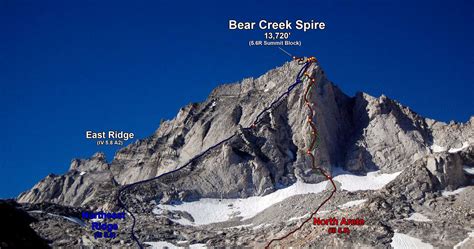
point(403, 241)
point(454, 192)
point(299, 217)
point(418, 217)
point(183, 221)
point(454, 150)
point(197, 246)
point(164, 244)
point(241, 226)
point(71, 219)
point(209, 210)
point(372, 181)
point(468, 170)
point(307, 215)
point(82, 173)
point(269, 86)
point(352, 204)
point(458, 245)
point(436, 148)
point(259, 226)
point(161, 244)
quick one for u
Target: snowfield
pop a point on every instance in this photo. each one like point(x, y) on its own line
point(403, 241)
point(71, 219)
point(418, 217)
point(468, 170)
point(209, 210)
point(460, 244)
point(352, 204)
point(454, 150)
point(437, 148)
point(454, 192)
point(372, 181)
point(164, 244)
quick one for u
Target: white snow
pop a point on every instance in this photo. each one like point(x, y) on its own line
point(269, 86)
point(259, 226)
point(458, 245)
point(352, 203)
point(241, 226)
point(299, 217)
point(71, 219)
point(209, 210)
point(307, 215)
point(418, 217)
point(468, 170)
point(457, 191)
point(403, 241)
point(454, 150)
point(161, 244)
point(75, 220)
point(197, 246)
point(164, 244)
point(183, 221)
point(436, 148)
point(213, 104)
point(82, 173)
point(372, 181)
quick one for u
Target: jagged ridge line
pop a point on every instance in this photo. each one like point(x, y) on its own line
point(119, 195)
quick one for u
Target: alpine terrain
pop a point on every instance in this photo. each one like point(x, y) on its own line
point(225, 174)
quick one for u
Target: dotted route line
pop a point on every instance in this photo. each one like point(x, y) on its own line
point(310, 150)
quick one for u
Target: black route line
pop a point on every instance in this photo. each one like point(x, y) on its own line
point(257, 119)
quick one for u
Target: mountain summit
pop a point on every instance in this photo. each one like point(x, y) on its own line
point(391, 160)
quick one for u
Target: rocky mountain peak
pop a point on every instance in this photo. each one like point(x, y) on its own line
point(98, 161)
point(360, 134)
point(215, 152)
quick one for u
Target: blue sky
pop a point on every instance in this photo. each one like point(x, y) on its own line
point(70, 66)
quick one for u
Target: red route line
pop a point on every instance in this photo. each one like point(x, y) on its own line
point(309, 150)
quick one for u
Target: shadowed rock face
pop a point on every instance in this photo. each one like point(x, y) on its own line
point(360, 133)
point(16, 230)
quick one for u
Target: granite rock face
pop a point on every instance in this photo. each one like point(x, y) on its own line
point(270, 156)
point(235, 159)
point(360, 133)
point(87, 183)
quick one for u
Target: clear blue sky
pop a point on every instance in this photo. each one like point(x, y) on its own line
point(70, 66)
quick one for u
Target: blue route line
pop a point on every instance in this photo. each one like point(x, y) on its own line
point(286, 93)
